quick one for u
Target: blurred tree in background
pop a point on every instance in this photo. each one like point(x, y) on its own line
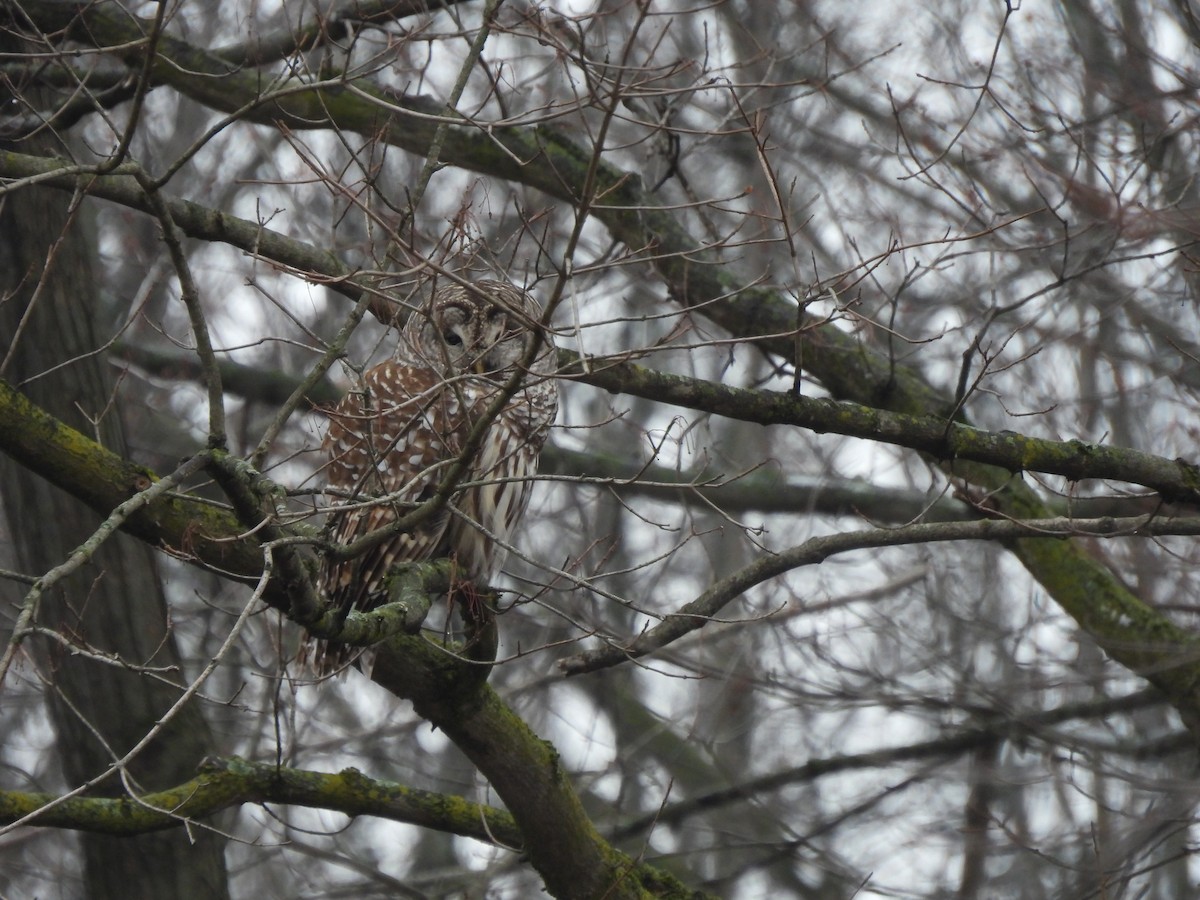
point(860, 564)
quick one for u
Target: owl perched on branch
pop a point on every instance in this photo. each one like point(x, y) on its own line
point(392, 443)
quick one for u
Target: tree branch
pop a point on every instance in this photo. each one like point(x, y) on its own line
point(1174, 650)
point(932, 435)
point(562, 843)
point(1011, 726)
point(226, 783)
point(193, 529)
point(268, 386)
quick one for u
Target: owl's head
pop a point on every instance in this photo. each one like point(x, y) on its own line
point(483, 330)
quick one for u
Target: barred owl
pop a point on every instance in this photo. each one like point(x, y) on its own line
point(390, 444)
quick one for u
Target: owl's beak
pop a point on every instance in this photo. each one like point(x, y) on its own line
point(480, 366)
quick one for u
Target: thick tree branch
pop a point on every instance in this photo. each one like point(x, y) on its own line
point(562, 843)
point(946, 441)
point(191, 528)
point(760, 491)
point(199, 531)
point(226, 783)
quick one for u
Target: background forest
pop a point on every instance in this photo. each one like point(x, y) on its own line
point(861, 560)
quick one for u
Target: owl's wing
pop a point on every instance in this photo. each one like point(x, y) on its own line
point(384, 445)
point(505, 466)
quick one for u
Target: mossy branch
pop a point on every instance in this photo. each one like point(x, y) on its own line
point(563, 844)
point(931, 434)
point(199, 531)
point(188, 527)
point(225, 783)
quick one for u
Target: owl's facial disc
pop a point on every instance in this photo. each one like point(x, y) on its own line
point(505, 343)
point(449, 336)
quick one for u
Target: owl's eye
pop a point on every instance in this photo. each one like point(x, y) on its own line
point(452, 338)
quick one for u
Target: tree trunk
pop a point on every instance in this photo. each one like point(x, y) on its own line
point(114, 604)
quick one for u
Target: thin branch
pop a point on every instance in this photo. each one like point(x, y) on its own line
point(1175, 647)
point(84, 552)
point(190, 295)
point(1015, 726)
point(193, 689)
